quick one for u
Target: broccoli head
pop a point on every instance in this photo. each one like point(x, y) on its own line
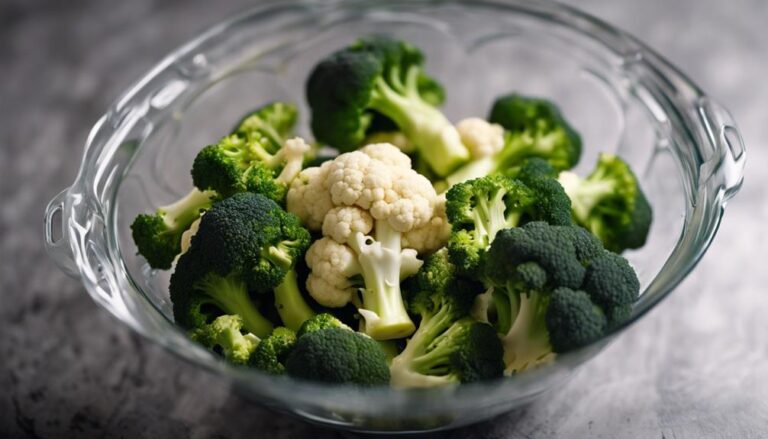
point(380, 76)
point(533, 128)
point(226, 336)
point(478, 209)
point(610, 203)
point(244, 243)
point(555, 289)
point(321, 321)
point(270, 355)
point(158, 235)
point(448, 346)
point(258, 157)
point(338, 355)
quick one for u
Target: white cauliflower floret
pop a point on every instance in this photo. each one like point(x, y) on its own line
point(377, 198)
point(482, 139)
point(309, 198)
point(354, 178)
point(292, 153)
point(342, 222)
point(434, 234)
point(388, 154)
point(332, 266)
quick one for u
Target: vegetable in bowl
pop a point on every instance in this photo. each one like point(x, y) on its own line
point(465, 251)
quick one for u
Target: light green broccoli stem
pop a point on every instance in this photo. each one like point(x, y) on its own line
point(290, 304)
point(517, 147)
point(472, 170)
point(181, 214)
point(586, 193)
point(491, 217)
point(282, 254)
point(381, 261)
point(415, 366)
point(507, 306)
point(230, 294)
point(389, 347)
point(526, 345)
point(424, 125)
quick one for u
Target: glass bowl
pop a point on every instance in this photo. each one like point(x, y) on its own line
point(620, 95)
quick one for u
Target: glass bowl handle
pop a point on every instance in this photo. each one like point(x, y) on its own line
point(57, 236)
point(725, 167)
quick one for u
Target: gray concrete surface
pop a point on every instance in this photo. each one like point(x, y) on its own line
point(695, 367)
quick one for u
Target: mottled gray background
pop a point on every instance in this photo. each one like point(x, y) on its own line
point(695, 367)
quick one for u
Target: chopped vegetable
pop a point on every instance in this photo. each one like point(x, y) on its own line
point(416, 253)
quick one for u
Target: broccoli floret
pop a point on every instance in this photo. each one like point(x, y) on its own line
point(245, 242)
point(533, 128)
point(275, 120)
point(610, 203)
point(613, 285)
point(270, 355)
point(338, 355)
point(572, 319)
point(381, 76)
point(257, 157)
point(478, 209)
point(158, 236)
point(554, 289)
point(225, 336)
point(448, 346)
point(393, 53)
point(321, 321)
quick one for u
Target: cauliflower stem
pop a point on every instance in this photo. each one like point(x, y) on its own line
point(381, 261)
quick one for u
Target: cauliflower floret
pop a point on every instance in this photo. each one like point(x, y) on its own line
point(308, 198)
point(388, 154)
point(432, 235)
point(342, 222)
point(415, 202)
point(332, 266)
point(481, 138)
point(377, 198)
point(354, 178)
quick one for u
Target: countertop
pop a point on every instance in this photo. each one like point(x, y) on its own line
point(695, 367)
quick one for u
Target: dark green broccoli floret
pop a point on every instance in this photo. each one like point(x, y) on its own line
point(321, 321)
point(448, 346)
point(381, 76)
point(555, 289)
point(158, 236)
point(572, 319)
point(610, 203)
point(478, 209)
point(244, 243)
point(613, 285)
point(257, 157)
point(533, 128)
point(338, 355)
point(270, 355)
point(225, 336)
